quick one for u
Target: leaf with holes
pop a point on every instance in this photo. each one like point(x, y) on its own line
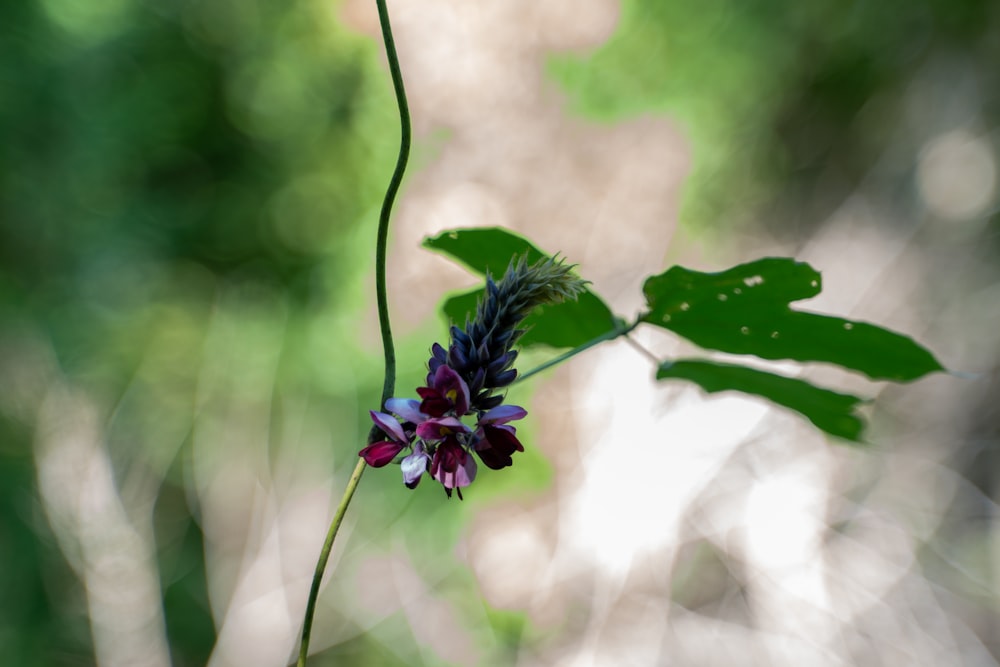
point(745, 310)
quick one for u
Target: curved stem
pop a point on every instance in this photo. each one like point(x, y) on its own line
point(381, 244)
point(619, 330)
point(324, 556)
point(389, 385)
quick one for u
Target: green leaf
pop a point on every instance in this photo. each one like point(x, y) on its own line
point(491, 249)
point(745, 310)
point(483, 249)
point(830, 411)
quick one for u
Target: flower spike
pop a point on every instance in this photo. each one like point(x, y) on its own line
point(485, 344)
point(463, 380)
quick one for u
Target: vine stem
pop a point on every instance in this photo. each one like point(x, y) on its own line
point(389, 384)
point(324, 557)
point(619, 330)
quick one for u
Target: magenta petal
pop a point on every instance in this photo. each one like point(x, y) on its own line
point(452, 466)
point(389, 424)
point(503, 414)
point(496, 445)
point(494, 459)
point(434, 403)
point(503, 439)
point(441, 428)
point(451, 385)
point(407, 408)
point(379, 454)
point(466, 473)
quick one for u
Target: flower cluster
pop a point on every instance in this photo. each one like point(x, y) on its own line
point(462, 382)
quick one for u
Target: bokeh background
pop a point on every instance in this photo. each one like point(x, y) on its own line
point(188, 342)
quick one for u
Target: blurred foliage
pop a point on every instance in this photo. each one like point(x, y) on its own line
point(43, 617)
point(187, 186)
point(787, 105)
point(164, 165)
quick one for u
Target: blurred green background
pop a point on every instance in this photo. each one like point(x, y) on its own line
point(191, 187)
point(167, 168)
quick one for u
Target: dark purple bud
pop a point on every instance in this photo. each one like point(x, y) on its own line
point(501, 340)
point(486, 402)
point(498, 364)
point(439, 353)
point(472, 358)
point(457, 357)
point(505, 378)
point(439, 357)
point(477, 380)
point(481, 354)
point(460, 337)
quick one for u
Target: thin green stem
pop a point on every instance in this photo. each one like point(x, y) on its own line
point(620, 330)
point(389, 385)
point(381, 245)
point(324, 556)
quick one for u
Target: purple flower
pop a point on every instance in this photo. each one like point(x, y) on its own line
point(453, 466)
point(378, 454)
point(446, 393)
point(407, 408)
point(441, 428)
point(415, 465)
point(494, 440)
point(440, 443)
point(464, 380)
